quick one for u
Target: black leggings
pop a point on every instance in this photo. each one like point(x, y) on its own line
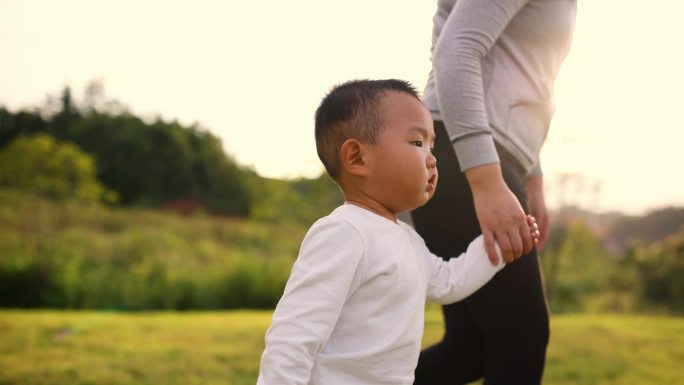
point(501, 331)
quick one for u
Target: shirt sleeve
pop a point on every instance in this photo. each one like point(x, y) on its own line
point(471, 29)
point(326, 271)
point(453, 280)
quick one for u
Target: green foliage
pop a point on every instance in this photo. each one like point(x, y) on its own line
point(660, 269)
point(74, 256)
point(165, 164)
point(583, 276)
point(172, 348)
point(150, 164)
point(20, 123)
point(146, 164)
point(301, 201)
point(77, 256)
point(577, 268)
point(37, 164)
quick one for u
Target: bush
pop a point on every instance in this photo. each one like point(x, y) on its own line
point(577, 268)
point(660, 268)
point(74, 256)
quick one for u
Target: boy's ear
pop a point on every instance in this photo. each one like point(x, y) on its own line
point(351, 154)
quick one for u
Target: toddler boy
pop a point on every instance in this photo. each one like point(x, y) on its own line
point(353, 307)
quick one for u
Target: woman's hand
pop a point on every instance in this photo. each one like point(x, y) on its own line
point(499, 213)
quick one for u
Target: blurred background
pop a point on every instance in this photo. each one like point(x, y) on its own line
point(159, 156)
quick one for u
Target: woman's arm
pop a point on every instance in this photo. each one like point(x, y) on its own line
point(469, 32)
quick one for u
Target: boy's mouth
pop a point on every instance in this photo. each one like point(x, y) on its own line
point(431, 183)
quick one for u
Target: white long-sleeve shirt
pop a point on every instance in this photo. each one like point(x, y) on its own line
point(353, 307)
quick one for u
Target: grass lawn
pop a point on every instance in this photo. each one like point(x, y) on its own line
point(78, 348)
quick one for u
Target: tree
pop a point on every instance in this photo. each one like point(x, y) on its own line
point(38, 164)
point(20, 123)
point(145, 163)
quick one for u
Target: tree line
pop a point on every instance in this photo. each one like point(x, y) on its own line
point(97, 150)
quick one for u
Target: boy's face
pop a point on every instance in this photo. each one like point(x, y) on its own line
point(402, 169)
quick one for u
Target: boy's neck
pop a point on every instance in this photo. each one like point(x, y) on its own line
point(355, 194)
point(375, 208)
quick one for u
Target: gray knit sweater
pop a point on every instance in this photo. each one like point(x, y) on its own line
point(494, 63)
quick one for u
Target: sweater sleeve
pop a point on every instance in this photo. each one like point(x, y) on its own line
point(325, 273)
point(471, 29)
point(453, 280)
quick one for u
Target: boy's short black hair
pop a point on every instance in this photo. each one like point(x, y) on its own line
point(350, 110)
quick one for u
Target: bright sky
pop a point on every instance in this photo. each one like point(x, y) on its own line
point(253, 72)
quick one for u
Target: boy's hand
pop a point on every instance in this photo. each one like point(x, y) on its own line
point(534, 229)
point(535, 199)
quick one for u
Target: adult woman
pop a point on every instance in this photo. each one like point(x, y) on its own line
point(490, 92)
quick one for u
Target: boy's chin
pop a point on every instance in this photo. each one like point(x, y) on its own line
point(427, 198)
point(422, 202)
point(417, 202)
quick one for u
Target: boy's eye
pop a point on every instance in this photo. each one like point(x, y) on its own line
point(417, 143)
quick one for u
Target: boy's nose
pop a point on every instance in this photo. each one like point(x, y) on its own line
point(431, 161)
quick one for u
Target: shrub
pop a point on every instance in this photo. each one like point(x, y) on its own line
point(69, 255)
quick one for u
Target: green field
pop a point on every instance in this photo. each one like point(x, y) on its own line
point(58, 347)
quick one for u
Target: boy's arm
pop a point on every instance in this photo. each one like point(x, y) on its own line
point(453, 280)
point(321, 278)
